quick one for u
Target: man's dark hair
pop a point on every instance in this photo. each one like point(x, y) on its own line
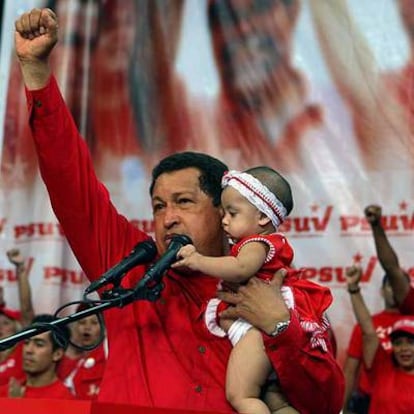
point(276, 183)
point(211, 171)
point(59, 335)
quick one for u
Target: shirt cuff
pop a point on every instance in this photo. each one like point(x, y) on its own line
point(43, 101)
point(286, 338)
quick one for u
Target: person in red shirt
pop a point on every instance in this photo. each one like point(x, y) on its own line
point(391, 376)
point(355, 372)
point(10, 359)
point(13, 320)
point(160, 353)
point(399, 278)
point(41, 354)
point(82, 370)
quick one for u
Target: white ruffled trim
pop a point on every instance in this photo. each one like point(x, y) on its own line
point(272, 250)
point(210, 318)
point(239, 328)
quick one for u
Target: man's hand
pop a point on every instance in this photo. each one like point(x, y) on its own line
point(258, 302)
point(353, 277)
point(35, 36)
point(15, 257)
point(16, 390)
point(373, 214)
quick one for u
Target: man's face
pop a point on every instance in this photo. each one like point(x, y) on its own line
point(255, 41)
point(181, 207)
point(38, 354)
point(7, 326)
point(117, 37)
point(403, 349)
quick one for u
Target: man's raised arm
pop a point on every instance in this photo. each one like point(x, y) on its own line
point(399, 280)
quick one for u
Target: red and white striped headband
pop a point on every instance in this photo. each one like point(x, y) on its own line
point(257, 193)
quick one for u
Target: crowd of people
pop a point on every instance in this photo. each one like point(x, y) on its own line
point(55, 364)
point(259, 343)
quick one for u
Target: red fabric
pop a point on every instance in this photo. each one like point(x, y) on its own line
point(280, 256)
point(12, 366)
point(240, 134)
point(392, 388)
point(304, 292)
point(65, 366)
point(160, 354)
point(407, 307)
point(54, 390)
point(383, 322)
point(85, 373)
point(13, 314)
point(280, 253)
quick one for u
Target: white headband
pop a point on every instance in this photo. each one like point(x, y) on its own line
point(257, 193)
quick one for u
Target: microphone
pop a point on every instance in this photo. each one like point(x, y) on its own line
point(143, 252)
point(155, 272)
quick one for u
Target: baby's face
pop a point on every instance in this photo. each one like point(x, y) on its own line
point(241, 218)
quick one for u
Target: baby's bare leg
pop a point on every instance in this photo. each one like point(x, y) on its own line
point(247, 371)
point(276, 401)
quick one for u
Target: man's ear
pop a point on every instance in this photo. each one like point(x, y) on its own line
point(263, 219)
point(57, 354)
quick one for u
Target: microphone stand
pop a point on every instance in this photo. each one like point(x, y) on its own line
point(146, 289)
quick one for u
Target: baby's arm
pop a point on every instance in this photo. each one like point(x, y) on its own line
point(231, 269)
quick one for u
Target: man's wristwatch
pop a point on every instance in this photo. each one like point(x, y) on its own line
point(280, 327)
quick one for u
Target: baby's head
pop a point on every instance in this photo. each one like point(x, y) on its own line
point(260, 195)
point(276, 183)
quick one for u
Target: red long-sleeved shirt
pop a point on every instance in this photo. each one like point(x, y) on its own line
point(160, 354)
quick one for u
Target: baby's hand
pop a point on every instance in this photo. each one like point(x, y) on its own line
point(187, 256)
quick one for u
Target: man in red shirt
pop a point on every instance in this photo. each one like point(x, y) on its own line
point(41, 354)
point(399, 279)
point(391, 375)
point(160, 353)
point(355, 372)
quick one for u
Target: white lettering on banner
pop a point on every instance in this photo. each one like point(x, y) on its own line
point(33, 230)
